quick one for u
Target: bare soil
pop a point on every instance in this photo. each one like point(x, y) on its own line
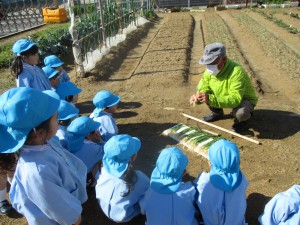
point(156, 70)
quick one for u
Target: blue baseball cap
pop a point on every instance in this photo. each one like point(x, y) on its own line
point(118, 151)
point(21, 110)
point(105, 99)
point(53, 61)
point(65, 89)
point(225, 171)
point(49, 71)
point(66, 110)
point(22, 45)
point(83, 126)
point(212, 52)
point(167, 174)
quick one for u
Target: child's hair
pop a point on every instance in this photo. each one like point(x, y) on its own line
point(130, 179)
point(7, 161)
point(17, 65)
point(43, 126)
point(65, 122)
point(69, 98)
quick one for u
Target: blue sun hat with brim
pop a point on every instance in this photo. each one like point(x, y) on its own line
point(118, 151)
point(22, 45)
point(50, 72)
point(78, 130)
point(53, 61)
point(167, 174)
point(65, 89)
point(66, 110)
point(212, 52)
point(21, 110)
point(104, 99)
point(225, 171)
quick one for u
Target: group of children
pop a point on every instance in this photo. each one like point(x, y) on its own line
point(50, 155)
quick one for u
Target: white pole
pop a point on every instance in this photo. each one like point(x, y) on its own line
point(220, 128)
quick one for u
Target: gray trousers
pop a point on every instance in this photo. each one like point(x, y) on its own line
point(244, 111)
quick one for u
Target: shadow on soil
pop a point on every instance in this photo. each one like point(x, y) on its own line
point(255, 206)
point(273, 124)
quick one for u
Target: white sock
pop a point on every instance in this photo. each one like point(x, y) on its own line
point(3, 194)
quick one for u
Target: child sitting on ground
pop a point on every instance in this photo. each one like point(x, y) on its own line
point(222, 191)
point(54, 62)
point(68, 91)
point(67, 112)
point(86, 143)
point(49, 182)
point(283, 208)
point(119, 187)
point(169, 200)
point(25, 68)
point(106, 104)
point(52, 76)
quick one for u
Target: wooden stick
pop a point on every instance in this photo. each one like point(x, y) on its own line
point(220, 128)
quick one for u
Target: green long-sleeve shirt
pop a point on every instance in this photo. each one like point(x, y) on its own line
point(229, 87)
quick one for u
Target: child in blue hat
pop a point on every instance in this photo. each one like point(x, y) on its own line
point(283, 208)
point(52, 75)
point(222, 191)
point(68, 91)
point(86, 143)
point(120, 187)
point(169, 200)
point(67, 112)
point(25, 68)
point(55, 62)
point(106, 104)
point(49, 182)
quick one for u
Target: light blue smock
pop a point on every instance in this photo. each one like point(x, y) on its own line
point(49, 185)
point(116, 207)
point(108, 126)
point(90, 153)
point(219, 207)
point(62, 135)
point(283, 208)
point(33, 77)
point(64, 77)
point(170, 209)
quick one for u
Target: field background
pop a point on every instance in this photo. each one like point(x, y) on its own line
point(156, 70)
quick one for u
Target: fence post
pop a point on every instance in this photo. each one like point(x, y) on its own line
point(119, 11)
point(103, 28)
point(76, 44)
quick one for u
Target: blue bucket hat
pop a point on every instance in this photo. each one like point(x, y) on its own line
point(66, 110)
point(65, 89)
point(225, 171)
point(118, 151)
point(83, 126)
point(53, 61)
point(167, 175)
point(22, 45)
point(49, 71)
point(104, 99)
point(212, 52)
point(21, 110)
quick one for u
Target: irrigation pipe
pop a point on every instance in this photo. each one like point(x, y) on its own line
point(220, 128)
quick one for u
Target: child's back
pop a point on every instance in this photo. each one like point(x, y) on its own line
point(222, 192)
point(168, 200)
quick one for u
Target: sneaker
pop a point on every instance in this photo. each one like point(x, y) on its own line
point(213, 117)
point(239, 127)
point(5, 207)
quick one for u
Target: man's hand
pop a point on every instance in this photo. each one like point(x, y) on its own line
point(193, 100)
point(202, 97)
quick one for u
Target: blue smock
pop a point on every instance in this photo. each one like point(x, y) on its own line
point(62, 135)
point(49, 185)
point(108, 126)
point(33, 77)
point(64, 77)
point(219, 207)
point(172, 209)
point(283, 208)
point(116, 207)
